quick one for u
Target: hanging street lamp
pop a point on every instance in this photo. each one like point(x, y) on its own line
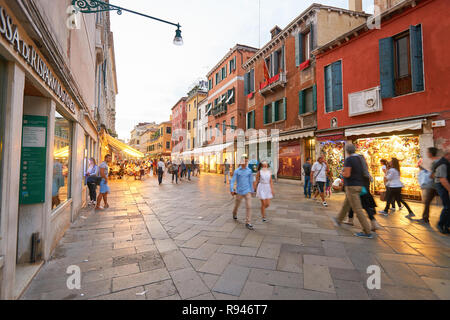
point(94, 6)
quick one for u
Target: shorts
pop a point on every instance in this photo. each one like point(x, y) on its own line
point(321, 186)
point(104, 188)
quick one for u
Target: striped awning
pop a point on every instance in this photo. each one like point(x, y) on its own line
point(123, 147)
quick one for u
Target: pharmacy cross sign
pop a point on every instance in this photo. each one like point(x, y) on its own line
point(94, 6)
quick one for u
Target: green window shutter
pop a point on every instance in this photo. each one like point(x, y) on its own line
point(265, 114)
point(386, 48)
point(415, 34)
point(336, 70)
point(284, 108)
point(301, 102)
point(276, 67)
point(253, 119)
point(252, 81)
point(328, 89)
point(311, 37)
point(225, 70)
point(246, 83)
point(298, 49)
point(274, 106)
point(235, 65)
point(314, 98)
point(282, 59)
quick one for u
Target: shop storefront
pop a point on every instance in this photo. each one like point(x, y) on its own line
point(333, 149)
point(406, 148)
point(289, 160)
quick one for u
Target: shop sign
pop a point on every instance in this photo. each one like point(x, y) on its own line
point(10, 32)
point(33, 162)
point(438, 124)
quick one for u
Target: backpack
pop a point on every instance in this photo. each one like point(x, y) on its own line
point(441, 162)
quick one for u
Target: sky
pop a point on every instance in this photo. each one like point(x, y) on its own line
point(153, 74)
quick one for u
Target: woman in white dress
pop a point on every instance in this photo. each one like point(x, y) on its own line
point(264, 187)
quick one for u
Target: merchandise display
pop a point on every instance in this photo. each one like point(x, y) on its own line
point(405, 149)
point(334, 156)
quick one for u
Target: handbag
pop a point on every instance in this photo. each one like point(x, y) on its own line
point(363, 191)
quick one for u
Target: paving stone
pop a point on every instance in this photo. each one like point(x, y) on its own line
point(204, 252)
point(216, 264)
point(335, 262)
point(195, 242)
point(187, 235)
point(440, 287)
point(256, 291)
point(129, 294)
point(110, 273)
point(134, 258)
point(209, 279)
point(290, 262)
point(188, 283)
point(225, 241)
point(402, 275)
point(222, 296)
point(317, 278)
point(232, 280)
point(165, 245)
point(175, 260)
point(252, 239)
point(243, 251)
point(284, 293)
point(269, 250)
point(254, 262)
point(197, 264)
point(404, 258)
point(277, 278)
point(401, 293)
point(160, 290)
point(350, 290)
point(431, 272)
point(334, 249)
point(346, 274)
point(139, 279)
point(302, 249)
point(174, 297)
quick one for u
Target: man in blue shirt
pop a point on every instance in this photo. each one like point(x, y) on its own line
point(243, 177)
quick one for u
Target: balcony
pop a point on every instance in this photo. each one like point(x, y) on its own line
point(273, 84)
point(219, 110)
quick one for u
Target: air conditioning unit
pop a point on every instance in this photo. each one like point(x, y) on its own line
point(363, 102)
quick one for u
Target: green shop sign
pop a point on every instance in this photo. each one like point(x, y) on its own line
point(33, 162)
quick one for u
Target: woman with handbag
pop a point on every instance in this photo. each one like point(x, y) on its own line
point(392, 178)
point(91, 180)
point(264, 187)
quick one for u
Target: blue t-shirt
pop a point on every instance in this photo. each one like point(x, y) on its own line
point(357, 175)
point(244, 181)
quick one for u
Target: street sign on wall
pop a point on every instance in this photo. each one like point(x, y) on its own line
point(33, 161)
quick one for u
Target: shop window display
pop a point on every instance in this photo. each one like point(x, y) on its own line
point(289, 161)
point(61, 160)
point(334, 156)
point(405, 149)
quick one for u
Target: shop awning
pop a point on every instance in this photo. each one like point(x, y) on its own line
point(123, 147)
point(385, 128)
point(294, 136)
point(209, 149)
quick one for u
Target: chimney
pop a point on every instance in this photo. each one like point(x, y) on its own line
point(276, 30)
point(355, 5)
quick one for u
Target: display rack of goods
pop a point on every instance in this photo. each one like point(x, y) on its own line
point(405, 149)
point(334, 156)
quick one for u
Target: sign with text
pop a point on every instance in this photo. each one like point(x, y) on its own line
point(33, 162)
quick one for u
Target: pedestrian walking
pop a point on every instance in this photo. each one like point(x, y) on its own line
point(307, 174)
point(226, 171)
point(441, 175)
point(384, 168)
point(428, 186)
point(104, 188)
point(353, 183)
point(91, 180)
point(243, 177)
point(183, 169)
point(392, 179)
point(161, 168)
point(319, 173)
point(174, 172)
point(264, 187)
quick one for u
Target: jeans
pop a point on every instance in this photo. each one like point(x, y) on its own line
point(189, 173)
point(395, 194)
point(388, 192)
point(225, 175)
point(160, 175)
point(92, 191)
point(248, 202)
point(444, 220)
point(429, 196)
point(175, 175)
point(353, 201)
point(307, 186)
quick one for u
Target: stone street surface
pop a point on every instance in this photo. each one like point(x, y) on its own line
point(180, 242)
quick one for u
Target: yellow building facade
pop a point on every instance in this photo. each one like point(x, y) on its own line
point(160, 142)
point(194, 97)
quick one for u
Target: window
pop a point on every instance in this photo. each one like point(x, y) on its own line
point(230, 96)
point(251, 120)
point(401, 63)
point(200, 114)
point(193, 142)
point(210, 132)
point(224, 128)
point(61, 161)
point(268, 62)
point(167, 144)
point(249, 82)
point(308, 100)
point(189, 125)
point(333, 87)
point(268, 114)
point(279, 110)
point(189, 144)
point(304, 44)
point(232, 65)
point(224, 72)
point(168, 130)
point(210, 84)
point(233, 124)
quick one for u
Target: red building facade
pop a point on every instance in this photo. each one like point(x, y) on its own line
point(179, 117)
point(387, 90)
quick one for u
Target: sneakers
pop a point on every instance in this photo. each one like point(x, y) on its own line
point(401, 207)
point(249, 226)
point(325, 204)
point(410, 215)
point(336, 222)
point(364, 235)
point(442, 229)
point(422, 221)
point(264, 220)
point(234, 216)
point(383, 213)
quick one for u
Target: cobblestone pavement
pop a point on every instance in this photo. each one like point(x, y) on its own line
point(180, 242)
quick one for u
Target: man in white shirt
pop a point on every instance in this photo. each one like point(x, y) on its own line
point(161, 168)
point(319, 172)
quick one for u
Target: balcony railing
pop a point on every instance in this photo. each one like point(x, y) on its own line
point(219, 109)
point(274, 83)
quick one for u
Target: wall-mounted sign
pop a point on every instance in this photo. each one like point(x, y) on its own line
point(33, 161)
point(10, 32)
point(438, 123)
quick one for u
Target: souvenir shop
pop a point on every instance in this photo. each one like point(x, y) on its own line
point(332, 147)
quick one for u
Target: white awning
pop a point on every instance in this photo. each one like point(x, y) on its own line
point(385, 128)
point(209, 149)
point(294, 136)
point(231, 96)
